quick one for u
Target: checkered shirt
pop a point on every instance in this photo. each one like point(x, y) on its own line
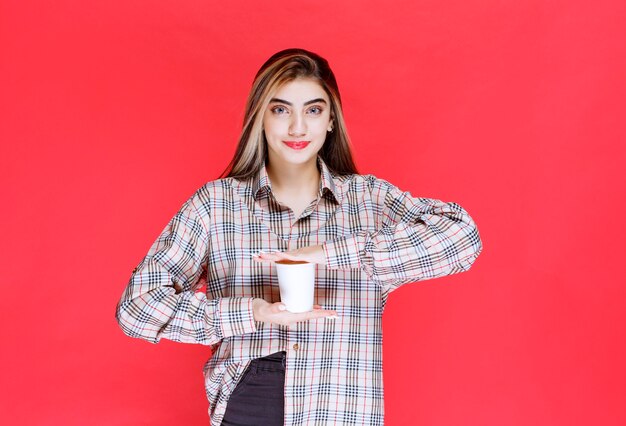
point(375, 237)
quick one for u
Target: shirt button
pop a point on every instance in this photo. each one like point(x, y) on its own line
point(134, 270)
point(296, 347)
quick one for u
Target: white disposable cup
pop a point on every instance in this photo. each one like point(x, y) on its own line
point(296, 281)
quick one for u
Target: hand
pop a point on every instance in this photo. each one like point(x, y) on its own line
point(276, 313)
point(311, 254)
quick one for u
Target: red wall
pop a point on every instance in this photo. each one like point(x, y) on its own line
point(113, 112)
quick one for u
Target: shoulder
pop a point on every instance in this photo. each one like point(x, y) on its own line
point(366, 182)
point(215, 188)
point(218, 190)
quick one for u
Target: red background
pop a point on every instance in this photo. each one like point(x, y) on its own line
point(114, 112)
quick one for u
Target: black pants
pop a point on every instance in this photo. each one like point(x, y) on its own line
point(259, 397)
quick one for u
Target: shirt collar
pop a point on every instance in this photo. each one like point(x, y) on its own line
point(327, 182)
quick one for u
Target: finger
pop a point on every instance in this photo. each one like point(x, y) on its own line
point(278, 307)
point(289, 255)
point(261, 256)
point(269, 257)
point(279, 255)
point(323, 314)
point(319, 313)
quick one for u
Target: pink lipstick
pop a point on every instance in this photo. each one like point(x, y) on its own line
point(297, 144)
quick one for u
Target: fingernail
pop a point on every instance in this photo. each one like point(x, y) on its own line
point(281, 307)
point(333, 317)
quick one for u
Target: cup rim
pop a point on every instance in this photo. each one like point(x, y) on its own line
point(292, 262)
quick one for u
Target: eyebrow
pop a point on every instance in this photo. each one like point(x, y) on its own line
point(312, 101)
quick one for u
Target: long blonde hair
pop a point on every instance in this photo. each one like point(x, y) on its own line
point(283, 67)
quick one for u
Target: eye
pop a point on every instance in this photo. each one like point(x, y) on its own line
point(278, 109)
point(315, 110)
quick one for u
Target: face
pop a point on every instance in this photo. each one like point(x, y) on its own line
point(296, 122)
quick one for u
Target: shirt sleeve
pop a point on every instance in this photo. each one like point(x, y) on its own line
point(160, 302)
point(415, 239)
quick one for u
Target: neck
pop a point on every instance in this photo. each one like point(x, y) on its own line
point(294, 178)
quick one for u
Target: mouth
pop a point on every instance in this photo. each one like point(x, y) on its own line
point(297, 145)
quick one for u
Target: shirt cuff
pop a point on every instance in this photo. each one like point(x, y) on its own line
point(235, 316)
point(345, 252)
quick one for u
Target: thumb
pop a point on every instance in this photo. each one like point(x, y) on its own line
point(278, 307)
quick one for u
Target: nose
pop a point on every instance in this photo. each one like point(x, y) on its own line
point(297, 126)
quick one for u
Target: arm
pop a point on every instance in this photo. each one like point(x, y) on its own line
point(415, 239)
point(159, 301)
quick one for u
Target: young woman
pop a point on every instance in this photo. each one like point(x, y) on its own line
point(292, 192)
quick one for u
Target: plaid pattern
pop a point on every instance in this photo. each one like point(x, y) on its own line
point(375, 237)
